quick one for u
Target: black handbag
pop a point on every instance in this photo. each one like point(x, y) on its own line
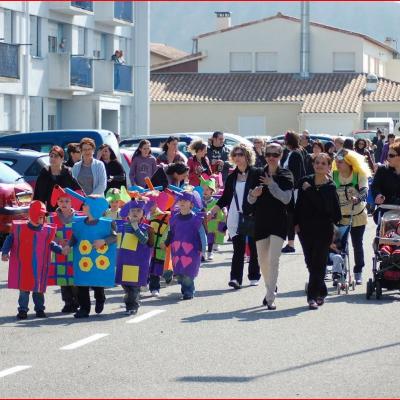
point(246, 225)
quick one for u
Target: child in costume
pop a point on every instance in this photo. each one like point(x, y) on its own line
point(215, 225)
point(113, 196)
point(188, 241)
point(27, 248)
point(61, 270)
point(135, 241)
point(94, 242)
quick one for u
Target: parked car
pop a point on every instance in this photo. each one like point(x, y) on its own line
point(230, 138)
point(44, 140)
point(321, 137)
point(27, 163)
point(15, 197)
point(253, 138)
point(364, 134)
point(157, 140)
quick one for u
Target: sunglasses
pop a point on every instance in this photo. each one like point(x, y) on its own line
point(391, 155)
point(238, 155)
point(274, 155)
point(54, 155)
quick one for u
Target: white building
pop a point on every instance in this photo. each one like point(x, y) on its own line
point(56, 70)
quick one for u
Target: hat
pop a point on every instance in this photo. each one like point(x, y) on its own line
point(145, 206)
point(36, 210)
point(192, 196)
point(210, 183)
point(97, 205)
point(341, 154)
point(121, 195)
point(58, 192)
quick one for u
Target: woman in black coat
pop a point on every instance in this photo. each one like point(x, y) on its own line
point(55, 174)
point(234, 197)
point(317, 210)
point(115, 172)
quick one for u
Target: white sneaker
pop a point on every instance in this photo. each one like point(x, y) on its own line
point(254, 283)
point(155, 293)
point(144, 289)
point(210, 256)
point(358, 278)
point(216, 247)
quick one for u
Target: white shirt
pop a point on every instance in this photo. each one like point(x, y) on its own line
point(233, 214)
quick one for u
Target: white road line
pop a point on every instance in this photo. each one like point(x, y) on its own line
point(13, 370)
point(144, 316)
point(82, 342)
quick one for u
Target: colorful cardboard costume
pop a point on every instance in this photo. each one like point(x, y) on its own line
point(93, 267)
point(186, 244)
point(216, 227)
point(58, 192)
point(30, 252)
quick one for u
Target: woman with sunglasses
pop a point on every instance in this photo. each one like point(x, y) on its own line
point(350, 175)
point(235, 194)
point(271, 191)
point(317, 210)
point(259, 150)
point(55, 174)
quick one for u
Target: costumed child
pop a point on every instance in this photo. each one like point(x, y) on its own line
point(335, 257)
point(61, 270)
point(135, 241)
point(94, 244)
point(27, 248)
point(113, 196)
point(188, 241)
point(216, 226)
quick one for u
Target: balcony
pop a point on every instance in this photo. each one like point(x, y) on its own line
point(9, 62)
point(72, 7)
point(70, 73)
point(113, 78)
point(117, 13)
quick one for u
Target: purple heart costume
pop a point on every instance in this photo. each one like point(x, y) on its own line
point(186, 244)
point(133, 258)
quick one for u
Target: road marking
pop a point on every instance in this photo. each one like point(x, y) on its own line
point(82, 342)
point(13, 370)
point(144, 316)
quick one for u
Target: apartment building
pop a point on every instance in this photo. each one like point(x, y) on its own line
point(56, 70)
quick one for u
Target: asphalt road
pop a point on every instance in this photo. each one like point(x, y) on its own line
point(221, 344)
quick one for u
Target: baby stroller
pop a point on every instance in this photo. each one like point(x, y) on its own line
point(385, 267)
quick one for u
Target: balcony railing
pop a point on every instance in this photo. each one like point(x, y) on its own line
point(123, 10)
point(81, 71)
point(9, 60)
point(84, 5)
point(122, 78)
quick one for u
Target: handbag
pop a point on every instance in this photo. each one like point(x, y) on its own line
point(246, 225)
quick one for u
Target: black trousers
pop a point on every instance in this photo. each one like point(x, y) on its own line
point(239, 248)
point(316, 250)
point(357, 235)
point(69, 295)
point(290, 231)
point(84, 297)
point(132, 297)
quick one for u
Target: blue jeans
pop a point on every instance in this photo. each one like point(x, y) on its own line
point(187, 285)
point(23, 301)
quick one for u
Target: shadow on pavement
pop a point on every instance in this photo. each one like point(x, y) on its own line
point(241, 379)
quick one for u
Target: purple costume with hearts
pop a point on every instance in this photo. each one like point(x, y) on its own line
point(186, 244)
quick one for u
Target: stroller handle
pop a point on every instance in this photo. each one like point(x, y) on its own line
point(389, 206)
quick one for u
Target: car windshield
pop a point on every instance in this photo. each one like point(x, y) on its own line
point(8, 175)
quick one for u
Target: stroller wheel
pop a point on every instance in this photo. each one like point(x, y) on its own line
point(346, 288)
point(378, 290)
point(338, 288)
point(353, 285)
point(370, 289)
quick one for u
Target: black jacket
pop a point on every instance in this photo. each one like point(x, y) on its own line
point(219, 153)
point(296, 165)
point(270, 213)
point(46, 182)
point(230, 184)
point(387, 183)
point(115, 174)
point(317, 208)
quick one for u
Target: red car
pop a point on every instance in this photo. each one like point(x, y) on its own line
point(15, 197)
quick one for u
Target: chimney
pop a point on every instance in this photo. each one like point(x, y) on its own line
point(389, 41)
point(223, 19)
point(305, 40)
point(372, 83)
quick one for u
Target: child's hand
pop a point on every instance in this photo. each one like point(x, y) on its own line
point(66, 249)
point(97, 244)
point(5, 257)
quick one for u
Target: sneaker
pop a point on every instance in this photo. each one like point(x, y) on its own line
point(216, 247)
point(320, 301)
point(168, 275)
point(288, 249)
point(81, 314)
point(336, 277)
point(210, 256)
point(312, 305)
point(41, 314)
point(358, 278)
point(22, 315)
point(187, 297)
point(271, 306)
point(264, 302)
point(155, 293)
point(131, 312)
point(69, 308)
point(254, 282)
point(235, 284)
point(203, 259)
point(99, 307)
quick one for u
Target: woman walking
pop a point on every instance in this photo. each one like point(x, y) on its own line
point(115, 172)
point(271, 192)
point(198, 164)
point(235, 194)
point(317, 210)
point(143, 165)
point(170, 153)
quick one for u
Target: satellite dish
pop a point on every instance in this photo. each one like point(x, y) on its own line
point(396, 130)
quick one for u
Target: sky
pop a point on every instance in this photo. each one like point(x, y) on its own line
point(175, 23)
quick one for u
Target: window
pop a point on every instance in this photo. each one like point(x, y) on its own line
point(52, 44)
point(241, 62)
point(35, 36)
point(266, 62)
point(344, 62)
point(103, 46)
point(252, 125)
point(51, 122)
point(9, 26)
point(82, 40)
point(51, 114)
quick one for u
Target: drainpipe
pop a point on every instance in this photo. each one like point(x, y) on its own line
point(25, 83)
point(305, 40)
point(141, 77)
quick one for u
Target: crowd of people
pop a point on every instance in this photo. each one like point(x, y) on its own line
point(86, 229)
